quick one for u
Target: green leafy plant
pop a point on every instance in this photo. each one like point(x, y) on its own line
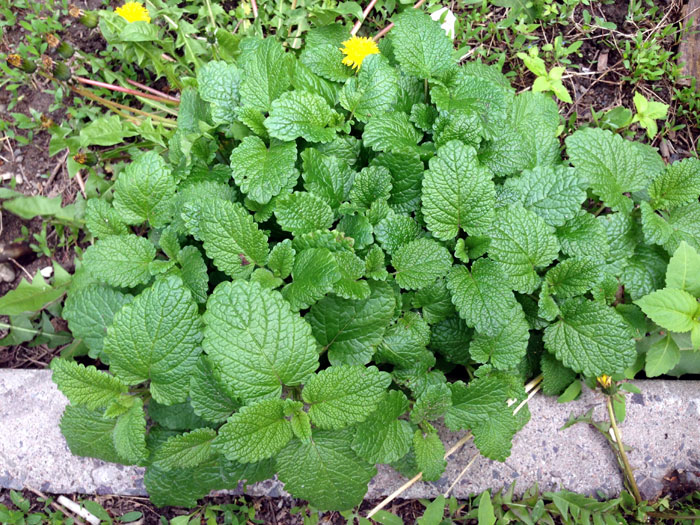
point(546, 80)
point(288, 289)
point(648, 112)
point(676, 312)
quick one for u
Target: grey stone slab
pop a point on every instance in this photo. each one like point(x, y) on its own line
point(662, 427)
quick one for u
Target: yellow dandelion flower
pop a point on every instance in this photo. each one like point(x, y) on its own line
point(133, 12)
point(605, 381)
point(356, 49)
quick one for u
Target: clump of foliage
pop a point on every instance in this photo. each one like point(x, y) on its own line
point(326, 263)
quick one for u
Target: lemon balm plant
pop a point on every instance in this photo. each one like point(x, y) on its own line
point(343, 248)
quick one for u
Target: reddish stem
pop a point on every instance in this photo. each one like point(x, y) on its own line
point(255, 8)
point(388, 28)
point(365, 13)
point(151, 90)
point(112, 87)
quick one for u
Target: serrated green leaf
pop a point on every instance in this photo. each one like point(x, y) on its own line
point(342, 395)
point(281, 259)
point(268, 75)
point(373, 91)
point(574, 276)
point(156, 337)
point(430, 453)
point(300, 114)
point(555, 376)
point(257, 343)
point(481, 406)
point(208, 396)
point(458, 193)
point(130, 435)
point(349, 329)
point(395, 231)
point(185, 450)
point(467, 92)
point(683, 270)
point(421, 45)
point(371, 184)
point(326, 60)
point(392, 132)
point(583, 236)
point(382, 437)
point(121, 260)
point(521, 242)
point(230, 236)
point(590, 337)
point(314, 273)
point(405, 342)
point(326, 176)
point(193, 271)
point(645, 270)
point(258, 431)
point(505, 153)
point(302, 212)
point(375, 266)
point(432, 403)
point(482, 296)
point(678, 184)
point(219, 84)
point(89, 311)
point(673, 309)
point(86, 386)
point(436, 302)
point(351, 268)
point(553, 192)
point(406, 170)
point(325, 471)
point(103, 220)
point(263, 172)
point(144, 189)
point(420, 263)
point(506, 348)
point(89, 434)
point(451, 338)
point(685, 224)
point(612, 165)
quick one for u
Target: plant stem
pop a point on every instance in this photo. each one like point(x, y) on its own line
point(112, 105)
point(112, 87)
point(152, 90)
point(623, 455)
point(365, 13)
point(388, 28)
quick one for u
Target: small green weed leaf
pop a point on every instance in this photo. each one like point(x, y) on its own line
point(683, 270)
point(662, 356)
point(482, 296)
point(373, 91)
point(673, 309)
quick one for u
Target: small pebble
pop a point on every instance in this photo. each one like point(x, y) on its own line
point(47, 272)
point(7, 273)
